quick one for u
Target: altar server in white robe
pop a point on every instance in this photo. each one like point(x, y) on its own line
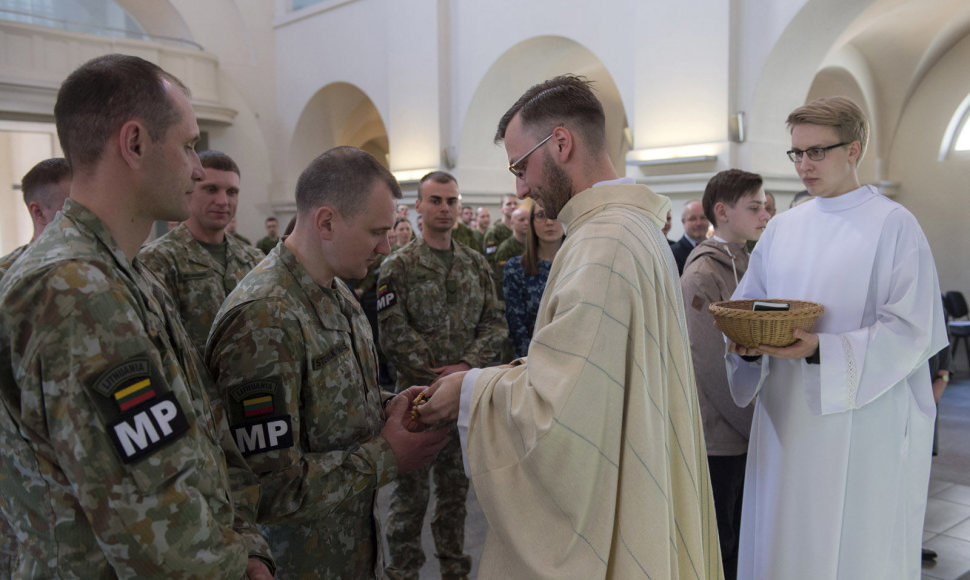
point(588, 456)
point(839, 453)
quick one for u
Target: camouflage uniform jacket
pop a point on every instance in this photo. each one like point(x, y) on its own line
point(496, 234)
point(266, 244)
point(466, 235)
point(508, 249)
point(8, 540)
point(431, 317)
point(195, 279)
point(112, 463)
point(296, 365)
point(9, 259)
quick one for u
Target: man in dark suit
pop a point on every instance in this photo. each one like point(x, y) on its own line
point(695, 231)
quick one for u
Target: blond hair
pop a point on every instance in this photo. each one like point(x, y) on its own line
point(840, 113)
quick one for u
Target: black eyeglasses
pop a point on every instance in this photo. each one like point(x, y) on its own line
point(813, 153)
point(520, 171)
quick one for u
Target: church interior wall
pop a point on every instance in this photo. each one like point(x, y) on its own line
point(438, 74)
point(937, 191)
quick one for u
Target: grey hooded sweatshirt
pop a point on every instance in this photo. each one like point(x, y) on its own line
point(711, 273)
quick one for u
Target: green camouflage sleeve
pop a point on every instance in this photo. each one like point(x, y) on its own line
point(402, 345)
point(243, 485)
point(492, 329)
point(111, 420)
point(257, 356)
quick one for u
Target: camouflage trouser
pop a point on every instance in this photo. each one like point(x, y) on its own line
point(409, 502)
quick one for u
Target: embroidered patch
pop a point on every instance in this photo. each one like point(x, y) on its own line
point(122, 376)
point(264, 435)
point(326, 358)
point(385, 297)
point(188, 276)
point(252, 389)
point(148, 427)
point(697, 303)
point(257, 406)
point(135, 394)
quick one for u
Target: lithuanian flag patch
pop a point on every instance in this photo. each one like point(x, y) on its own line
point(256, 406)
point(135, 394)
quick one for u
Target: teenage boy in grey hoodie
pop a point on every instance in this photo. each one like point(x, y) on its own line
point(734, 202)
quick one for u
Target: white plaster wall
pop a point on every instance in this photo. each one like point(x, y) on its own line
point(937, 192)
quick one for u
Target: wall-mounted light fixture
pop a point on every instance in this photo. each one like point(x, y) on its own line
point(736, 127)
point(670, 155)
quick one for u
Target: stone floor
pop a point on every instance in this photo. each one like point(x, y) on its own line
point(947, 526)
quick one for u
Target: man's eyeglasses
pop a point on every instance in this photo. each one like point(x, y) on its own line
point(515, 168)
point(813, 153)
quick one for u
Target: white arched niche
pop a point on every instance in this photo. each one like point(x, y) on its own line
point(482, 165)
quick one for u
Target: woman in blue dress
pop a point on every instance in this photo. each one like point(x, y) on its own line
point(524, 277)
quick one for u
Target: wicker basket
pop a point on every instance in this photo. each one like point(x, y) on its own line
point(772, 327)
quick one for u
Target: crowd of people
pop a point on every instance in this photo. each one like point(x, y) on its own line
point(197, 407)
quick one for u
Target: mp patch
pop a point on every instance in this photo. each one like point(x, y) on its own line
point(148, 427)
point(385, 297)
point(264, 435)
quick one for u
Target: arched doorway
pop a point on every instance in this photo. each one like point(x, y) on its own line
point(481, 164)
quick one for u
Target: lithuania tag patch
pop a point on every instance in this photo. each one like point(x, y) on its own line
point(148, 427)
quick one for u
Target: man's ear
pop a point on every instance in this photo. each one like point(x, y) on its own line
point(132, 140)
point(323, 220)
point(36, 212)
point(563, 144)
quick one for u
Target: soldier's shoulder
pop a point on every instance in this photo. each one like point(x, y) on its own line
point(248, 253)
point(162, 248)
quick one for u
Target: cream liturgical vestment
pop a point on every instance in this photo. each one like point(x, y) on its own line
point(839, 454)
point(588, 456)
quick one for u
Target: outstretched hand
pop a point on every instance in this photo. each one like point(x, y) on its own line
point(256, 569)
point(445, 396)
point(413, 448)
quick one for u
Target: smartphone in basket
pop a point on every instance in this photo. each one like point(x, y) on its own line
point(758, 305)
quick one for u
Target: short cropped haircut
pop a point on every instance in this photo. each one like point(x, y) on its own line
point(566, 100)
point(104, 94)
point(841, 113)
point(340, 178)
point(36, 183)
point(728, 187)
point(437, 177)
point(270, 219)
point(219, 161)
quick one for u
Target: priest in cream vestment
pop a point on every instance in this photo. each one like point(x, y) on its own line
point(588, 456)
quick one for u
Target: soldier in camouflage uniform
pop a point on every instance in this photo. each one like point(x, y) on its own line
point(438, 313)
point(500, 230)
point(112, 464)
point(293, 358)
point(198, 262)
point(267, 243)
point(514, 245)
point(45, 188)
point(465, 235)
